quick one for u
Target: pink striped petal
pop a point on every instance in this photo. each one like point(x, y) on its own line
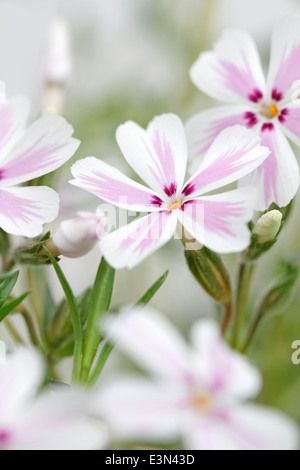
point(232, 71)
point(44, 147)
point(290, 122)
point(234, 153)
point(112, 186)
point(285, 56)
point(13, 117)
point(131, 244)
point(159, 154)
point(203, 128)
point(153, 343)
point(277, 179)
point(23, 211)
point(220, 221)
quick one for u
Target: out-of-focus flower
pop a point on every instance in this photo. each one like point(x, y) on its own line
point(159, 156)
point(199, 393)
point(232, 73)
point(27, 154)
point(76, 237)
point(55, 420)
point(58, 67)
point(267, 226)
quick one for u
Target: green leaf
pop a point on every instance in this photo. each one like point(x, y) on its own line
point(7, 286)
point(11, 306)
point(77, 327)
point(152, 290)
point(4, 243)
point(98, 307)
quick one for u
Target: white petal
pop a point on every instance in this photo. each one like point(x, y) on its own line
point(13, 117)
point(20, 377)
point(158, 154)
point(234, 153)
point(23, 211)
point(58, 421)
point(152, 342)
point(232, 72)
point(277, 179)
point(140, 410)
point(131, 244)
point(220, 221)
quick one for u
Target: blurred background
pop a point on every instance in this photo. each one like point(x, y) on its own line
point(130, 61)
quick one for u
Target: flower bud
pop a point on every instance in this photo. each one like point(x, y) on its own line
point(76, 237)
point(267, 226)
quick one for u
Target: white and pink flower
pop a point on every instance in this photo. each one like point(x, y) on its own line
point(159, 157)
point(31, 419)
point(196, 393)
point(233, 74)
point(26, 154)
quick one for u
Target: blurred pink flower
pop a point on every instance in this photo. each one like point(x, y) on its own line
point(232, 73)
point(27, 154)
point(159, 157)
point(76, 237)
point(198, 394)
point(49, 420)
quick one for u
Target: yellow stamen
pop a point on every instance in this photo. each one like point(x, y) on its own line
point(201, 402)
point(274, 110)
point(175, 206)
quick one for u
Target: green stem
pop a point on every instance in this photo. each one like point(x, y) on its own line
point(99, 305)
point(252, 332)
point(227, 318)
point(75, 316)
point(34, 298)
point(30, 325)
point(100, 363)
point(244, 283)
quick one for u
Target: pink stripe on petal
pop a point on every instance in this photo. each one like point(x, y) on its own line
point(13, 116)
point(277, 179)
point(220, 222)
point(44, 147)
point(129, 245)
point(203, 128)
point(110, 184)
point(290, 120)
point(157, 154)
point(234, 153)
point(23, 211)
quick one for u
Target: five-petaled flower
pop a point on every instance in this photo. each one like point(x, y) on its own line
point(198, 393)
point(47, 420)
point(232, 73)
point(25, 155)
point(159, 156)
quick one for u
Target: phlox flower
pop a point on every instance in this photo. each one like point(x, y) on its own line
point(76, 237)
point(33, 420)
point(26, 154)
point(197, 393)
point(159, 157)
point(232, 73)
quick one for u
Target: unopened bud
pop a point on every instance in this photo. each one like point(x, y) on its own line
point(76, 237)
point(209, 270)
point(267, 226)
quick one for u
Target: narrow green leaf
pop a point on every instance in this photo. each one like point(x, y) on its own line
point(98, 307)
point(8, 308)
point(100, 363)
point(78, 334)
point(7, 286)
point(152, 290)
